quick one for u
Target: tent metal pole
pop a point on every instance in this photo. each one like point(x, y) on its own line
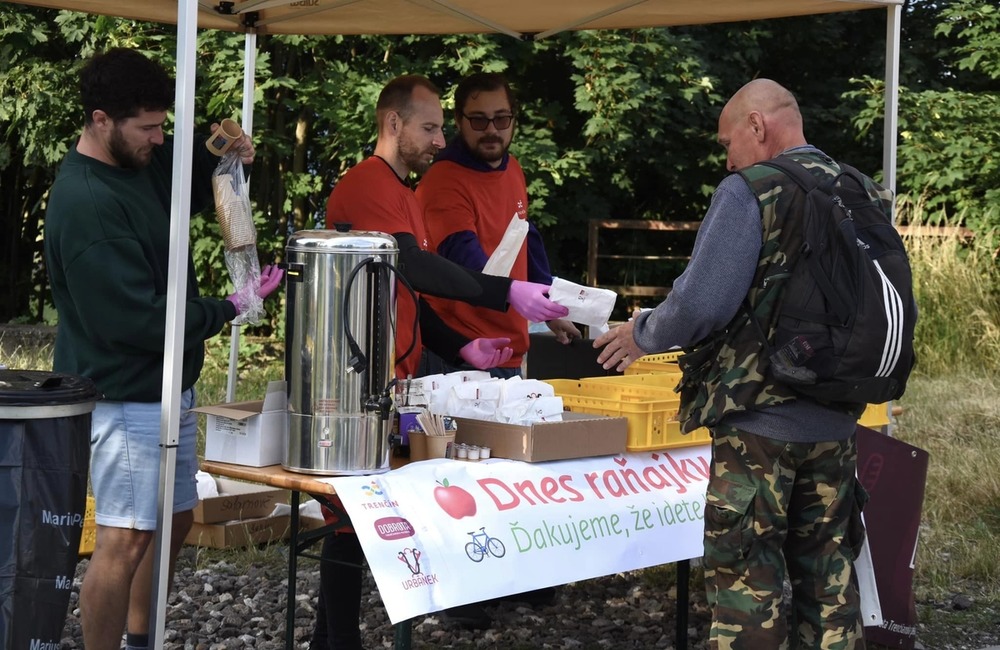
point(889, 137)
point(892, 38)
point(173, 344)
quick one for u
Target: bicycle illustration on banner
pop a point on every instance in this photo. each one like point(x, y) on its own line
point(482, 545)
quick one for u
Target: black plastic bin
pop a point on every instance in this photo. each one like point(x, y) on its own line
point(44, 457)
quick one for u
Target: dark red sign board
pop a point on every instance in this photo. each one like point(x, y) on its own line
point(894, 473)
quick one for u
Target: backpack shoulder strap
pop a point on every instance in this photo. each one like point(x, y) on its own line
point(793, 170)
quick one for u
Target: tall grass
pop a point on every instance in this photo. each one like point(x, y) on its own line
point(952, 410)
point(956, 284)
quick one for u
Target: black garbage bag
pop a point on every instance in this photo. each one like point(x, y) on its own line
point(44, 456)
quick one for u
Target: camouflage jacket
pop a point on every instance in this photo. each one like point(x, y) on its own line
point(728, 372)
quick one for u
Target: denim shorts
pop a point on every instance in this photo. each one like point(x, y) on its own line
point(125, 462)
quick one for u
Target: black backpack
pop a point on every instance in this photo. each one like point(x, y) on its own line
point(846, 316)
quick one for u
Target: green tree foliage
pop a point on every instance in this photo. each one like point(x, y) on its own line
point(949, 124)
point(612, 124)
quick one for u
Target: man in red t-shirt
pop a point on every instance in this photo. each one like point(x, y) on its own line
point(468, 198)
point(375, 195)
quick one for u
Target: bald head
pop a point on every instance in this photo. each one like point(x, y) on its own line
point(760, 121)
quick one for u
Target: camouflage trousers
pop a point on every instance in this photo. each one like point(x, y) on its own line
point(777, 509)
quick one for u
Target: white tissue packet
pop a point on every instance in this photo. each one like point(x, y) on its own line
point(206, 485)
point(587, 305)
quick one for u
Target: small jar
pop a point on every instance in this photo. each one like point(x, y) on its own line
point(461, 451)
point(473, 453)
point(484, 453)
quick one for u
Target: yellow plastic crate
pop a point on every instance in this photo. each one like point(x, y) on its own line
point(664, 382)
point(655, 363)
point(652, 423)
point(89, 536)
point(663, 357)
point(651, 370)
point(875, 416)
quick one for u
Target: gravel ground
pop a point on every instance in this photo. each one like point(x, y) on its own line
point(223, 604)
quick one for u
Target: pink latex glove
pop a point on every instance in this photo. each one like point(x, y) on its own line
point(530, 300)
point(270, 279)
point(486, 353)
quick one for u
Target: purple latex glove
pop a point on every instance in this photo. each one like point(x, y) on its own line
point(270, 279)
point(530, 300)
point(486, 353)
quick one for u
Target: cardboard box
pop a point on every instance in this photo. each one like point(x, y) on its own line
point(248, 433)
point(236, 534)
point(238, 500)
point(579, 435)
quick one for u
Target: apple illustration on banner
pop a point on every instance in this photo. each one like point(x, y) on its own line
point(454, 500)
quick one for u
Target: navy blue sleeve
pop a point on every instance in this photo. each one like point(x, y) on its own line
point(538, 261)
point(463, 248)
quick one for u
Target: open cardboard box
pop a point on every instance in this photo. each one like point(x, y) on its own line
point(578, 435)
point(251, 433)
point(238, 500)
point(239, 533)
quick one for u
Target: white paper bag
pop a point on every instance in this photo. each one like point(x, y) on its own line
point(474, 399)
point(503, 258)
point(531, 409)
point(587, 305)
point(437, 388)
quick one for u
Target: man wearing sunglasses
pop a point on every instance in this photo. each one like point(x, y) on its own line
point(468, 198)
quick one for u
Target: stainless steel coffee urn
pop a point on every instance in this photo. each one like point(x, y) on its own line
point(339, 350)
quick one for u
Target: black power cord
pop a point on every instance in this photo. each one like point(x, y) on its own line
point(358, 362)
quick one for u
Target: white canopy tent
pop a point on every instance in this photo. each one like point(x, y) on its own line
point(529, 19)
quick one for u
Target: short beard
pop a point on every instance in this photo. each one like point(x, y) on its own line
point(125, 158)
point(416, 161)
point(489, 157)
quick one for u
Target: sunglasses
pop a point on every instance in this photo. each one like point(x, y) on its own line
point(479, 123)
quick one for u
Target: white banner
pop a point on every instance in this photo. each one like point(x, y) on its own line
point(441, 533)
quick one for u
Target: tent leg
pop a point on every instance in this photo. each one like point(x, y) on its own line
point(234, 354)
point(402, 635)
point(293, 568)
point(683, 573)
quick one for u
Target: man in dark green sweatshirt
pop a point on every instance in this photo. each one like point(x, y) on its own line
point(107, 240)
